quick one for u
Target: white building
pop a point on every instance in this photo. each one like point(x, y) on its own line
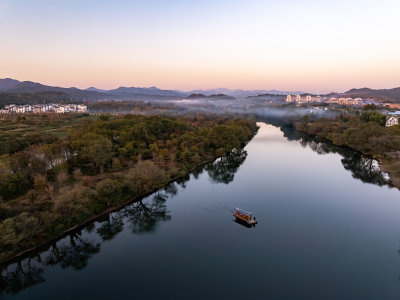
point(391, 121)
point(358, 101)
point(20, 109)
point(82, 108)
point(44, 108)
point(316, 99)
point(333, 100)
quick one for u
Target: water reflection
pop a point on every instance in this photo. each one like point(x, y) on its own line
point(143, 216)
point(73, 251)
point(223, 170)
point(362, 167)
point(111, 227)
point(76, 249)
point(20, 276)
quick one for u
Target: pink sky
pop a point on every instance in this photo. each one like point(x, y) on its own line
point(308, 45)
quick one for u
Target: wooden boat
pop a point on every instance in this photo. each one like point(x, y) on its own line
point(244, 216)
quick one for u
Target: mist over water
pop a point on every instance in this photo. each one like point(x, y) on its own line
point(238, 107)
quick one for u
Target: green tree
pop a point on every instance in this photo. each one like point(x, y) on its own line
point(96, 150)
point(107, 190)
point(374, 116)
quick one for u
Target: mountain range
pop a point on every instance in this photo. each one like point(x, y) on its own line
point(384, 95)
point(12, 86)
point(91, 94)
point(238, 93)
point(381, 95)
point(9, 85)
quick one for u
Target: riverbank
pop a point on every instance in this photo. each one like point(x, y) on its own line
point(96, 217)
point(110, 163)
point(392, 168)
point(368, 138)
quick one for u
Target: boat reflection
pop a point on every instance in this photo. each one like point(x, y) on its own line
point(245, 224)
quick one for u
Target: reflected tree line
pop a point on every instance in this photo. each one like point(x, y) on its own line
point(362, 167)
point(72, 251)
point(76, 249)
point(223, 171)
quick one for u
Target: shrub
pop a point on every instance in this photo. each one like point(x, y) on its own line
point(74, 202)
point(18, 230)
point(144, 177)
point(40, 182)
point(108, 191)
point(31, 195)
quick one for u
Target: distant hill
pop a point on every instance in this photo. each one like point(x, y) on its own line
point(212, 97)
point(151, 91)
point(221, 97)
point(93, 89)
point(268, 95)
point(35, 98)
point(384, 95)
point(7, 83)
point(91, 94)
point(271, 98)
point(15, 87)
point(242, 93)
point(196, 96)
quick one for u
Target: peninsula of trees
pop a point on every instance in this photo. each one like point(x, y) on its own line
point(58, 171)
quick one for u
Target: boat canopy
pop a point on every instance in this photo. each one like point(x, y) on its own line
point(242, 211)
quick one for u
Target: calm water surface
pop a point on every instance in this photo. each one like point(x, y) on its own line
point(329, 228)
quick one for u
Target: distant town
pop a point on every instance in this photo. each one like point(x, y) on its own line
point(319, 99)
point(392, 118)
point(43, 108)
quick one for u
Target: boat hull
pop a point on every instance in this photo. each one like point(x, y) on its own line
point(250, 222)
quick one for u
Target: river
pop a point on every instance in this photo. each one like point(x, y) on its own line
point(328, 228)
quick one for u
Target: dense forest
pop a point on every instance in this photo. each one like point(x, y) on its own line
point(57, 171)
point(365, 133)
point(124, 106)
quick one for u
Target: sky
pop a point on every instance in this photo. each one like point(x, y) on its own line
point(308, 45)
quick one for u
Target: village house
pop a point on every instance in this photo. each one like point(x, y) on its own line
point(43, 108)
point(391, 121)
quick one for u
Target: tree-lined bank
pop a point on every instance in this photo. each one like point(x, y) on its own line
point(365, 133)
point(80, 167)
